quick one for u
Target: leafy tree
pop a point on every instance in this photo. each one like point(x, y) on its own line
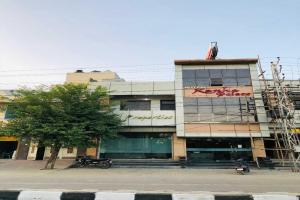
point(62, 116)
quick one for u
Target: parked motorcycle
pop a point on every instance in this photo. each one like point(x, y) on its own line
point(242, 167)
point(86, 161)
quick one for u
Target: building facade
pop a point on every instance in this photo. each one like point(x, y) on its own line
point(212, 111)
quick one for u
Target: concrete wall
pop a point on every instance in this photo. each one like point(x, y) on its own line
point(136, 88)
point(258, 148)
point(178, 147)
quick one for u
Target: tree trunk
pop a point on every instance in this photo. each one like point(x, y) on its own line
point(53, 157)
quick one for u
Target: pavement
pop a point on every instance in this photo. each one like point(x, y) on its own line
point(27, 176)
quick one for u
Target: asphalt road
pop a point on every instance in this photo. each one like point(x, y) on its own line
point(25, 175)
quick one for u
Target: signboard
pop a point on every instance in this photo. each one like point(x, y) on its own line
point(219, 92)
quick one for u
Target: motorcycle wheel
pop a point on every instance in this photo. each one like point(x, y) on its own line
point(104, 165)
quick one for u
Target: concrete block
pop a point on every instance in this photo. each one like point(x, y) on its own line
point(39, 195)
point(274, 197)
point(193, 197)
point(114, 196)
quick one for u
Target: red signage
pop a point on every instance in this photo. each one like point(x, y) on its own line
point(224, 91)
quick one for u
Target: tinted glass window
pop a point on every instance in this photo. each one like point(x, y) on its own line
point(190, 109)
point(215, 73)
point(204, 101)
point(229, 73)
point(189, 82)
point(216, 81)
point(135, 105)
point(244, 81)
point(244, 73)
point(167, 104)
point(190, 101)
point(202, 73)
point(203, 82)
point(229, 81)
point(190, 74)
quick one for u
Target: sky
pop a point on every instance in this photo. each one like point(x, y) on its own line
point(139, 39)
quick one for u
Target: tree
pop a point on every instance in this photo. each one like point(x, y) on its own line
point(62, 116)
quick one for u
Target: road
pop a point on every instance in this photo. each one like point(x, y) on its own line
point(26, 175)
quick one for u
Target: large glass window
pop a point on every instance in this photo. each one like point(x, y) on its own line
point(216, 77)
point(237, 109)
point(135, 105)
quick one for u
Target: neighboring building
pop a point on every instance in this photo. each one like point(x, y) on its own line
point(148, 111)
point(86, 77)
point(9, 144)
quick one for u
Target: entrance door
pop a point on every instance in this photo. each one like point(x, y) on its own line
point(218, 149)
point(40, 153)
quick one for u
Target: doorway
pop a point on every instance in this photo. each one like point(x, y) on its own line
point(40, 153)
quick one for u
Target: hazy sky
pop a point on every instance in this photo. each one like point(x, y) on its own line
point(41, 40)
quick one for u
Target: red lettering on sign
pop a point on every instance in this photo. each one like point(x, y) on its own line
point(221, 92)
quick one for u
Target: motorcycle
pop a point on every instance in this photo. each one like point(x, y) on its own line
point(103, 163)
point(242, 167)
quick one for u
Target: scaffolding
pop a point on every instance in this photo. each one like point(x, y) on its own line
point(281, 110)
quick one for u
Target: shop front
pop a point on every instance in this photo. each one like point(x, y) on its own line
point(218, 149)
point(137, 146)
point(8, 144)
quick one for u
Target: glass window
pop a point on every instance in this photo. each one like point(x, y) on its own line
point(205, 109)
point(297, 104)
point(218, 101)
point(202, 73)
point(189, 101)
point(215, 73)
point(204, 101)
point(216, 82)
point(229, 81)
point(191, 118)
point(206, 117)
point(189, 74)
point(243, 73)
point(220, 118)
point(234, 118)
point(9, 113)
point(244, 81)
point(203, 82)
point(135, 105)
point(234, 110)
point(219, 109)
point(189, 82)
point(167, 104)
point(190, 109)
point(232, 101)
point(229, 73)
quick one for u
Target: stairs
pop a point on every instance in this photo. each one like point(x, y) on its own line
point(145, 163)
point(212, 164)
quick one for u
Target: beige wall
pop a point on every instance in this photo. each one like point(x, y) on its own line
point(179, 147)
point(258, 148)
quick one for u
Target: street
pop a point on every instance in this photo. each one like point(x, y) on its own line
point(25, 175)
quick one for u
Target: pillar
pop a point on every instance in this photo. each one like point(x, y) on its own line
point(258, 148)
point(179, 147)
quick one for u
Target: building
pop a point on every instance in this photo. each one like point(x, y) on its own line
point(213, 111)
point(219, 109)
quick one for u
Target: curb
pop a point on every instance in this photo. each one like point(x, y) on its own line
point(57, 195)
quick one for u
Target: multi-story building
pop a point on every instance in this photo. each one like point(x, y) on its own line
point(213, 111)
point(219, 109)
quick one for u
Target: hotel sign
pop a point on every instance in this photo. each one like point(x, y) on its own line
point(219, 92)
